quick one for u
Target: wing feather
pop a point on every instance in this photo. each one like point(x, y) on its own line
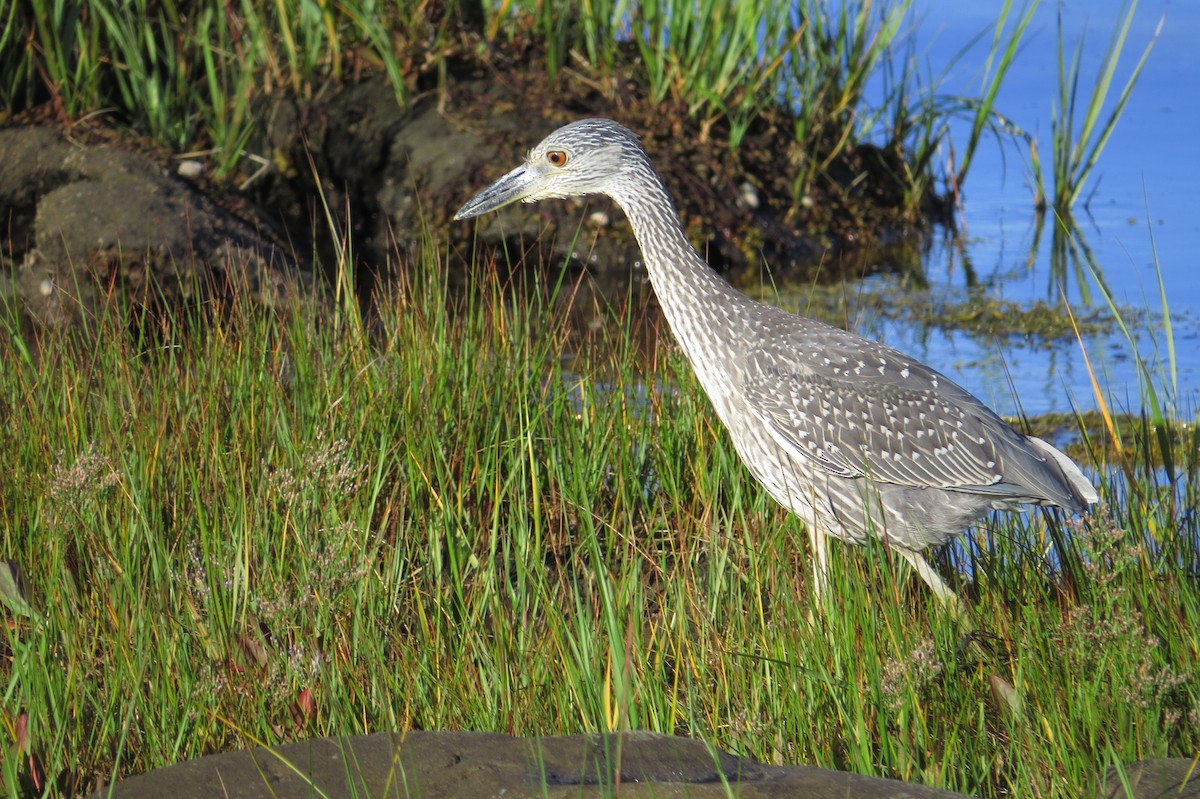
point(859, 409)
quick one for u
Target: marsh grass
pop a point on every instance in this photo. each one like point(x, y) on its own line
point(246, 527)
point(1081, 127)
point(835, 57)
point(718, 60)
point(1005, 45)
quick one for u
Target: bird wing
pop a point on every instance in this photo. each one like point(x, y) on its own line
point(858, 408)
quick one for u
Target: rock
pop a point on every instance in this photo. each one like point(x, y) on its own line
point(1168, 777)
point(475, 764)
point(85, 222)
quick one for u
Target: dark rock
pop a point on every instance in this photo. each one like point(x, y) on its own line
point(86, 222)
point(401, 173)
point(472, 764)
point(1165, 778)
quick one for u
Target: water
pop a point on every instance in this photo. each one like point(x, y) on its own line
point(1142, 200)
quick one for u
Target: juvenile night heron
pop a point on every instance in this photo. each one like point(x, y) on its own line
point(857, 438)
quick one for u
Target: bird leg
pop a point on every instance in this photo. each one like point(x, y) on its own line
point(948, 598)
point(819, 545)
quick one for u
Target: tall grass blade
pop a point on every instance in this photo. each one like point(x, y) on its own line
point(1076, 151)
point(1003, 52)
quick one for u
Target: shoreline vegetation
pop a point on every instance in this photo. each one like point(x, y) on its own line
point(224, 525)
point(194, 76)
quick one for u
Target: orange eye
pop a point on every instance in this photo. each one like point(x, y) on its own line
point(557, 158)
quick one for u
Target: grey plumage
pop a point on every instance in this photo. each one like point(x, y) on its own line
point(857, 438)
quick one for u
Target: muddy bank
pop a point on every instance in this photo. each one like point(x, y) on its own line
point(471, 764)
point(89, 211)
point(394, 177)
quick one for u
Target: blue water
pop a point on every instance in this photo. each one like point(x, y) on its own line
point(1142, 200)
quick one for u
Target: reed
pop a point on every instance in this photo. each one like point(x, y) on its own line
point(1081, 127)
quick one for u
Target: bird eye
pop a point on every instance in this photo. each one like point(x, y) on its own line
point(557, 158)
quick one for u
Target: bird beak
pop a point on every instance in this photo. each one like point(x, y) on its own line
point(516, 185)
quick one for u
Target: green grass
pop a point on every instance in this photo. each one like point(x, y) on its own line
point(244, 527)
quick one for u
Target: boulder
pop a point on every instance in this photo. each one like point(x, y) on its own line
point(85, 222)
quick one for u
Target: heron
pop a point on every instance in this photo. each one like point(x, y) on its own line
point(856, 438)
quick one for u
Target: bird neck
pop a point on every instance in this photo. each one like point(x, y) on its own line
point(682, 279)
point(709, 319)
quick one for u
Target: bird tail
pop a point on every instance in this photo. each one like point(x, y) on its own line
point(1082, 492)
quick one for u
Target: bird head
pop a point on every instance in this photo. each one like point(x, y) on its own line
point(590, 156)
